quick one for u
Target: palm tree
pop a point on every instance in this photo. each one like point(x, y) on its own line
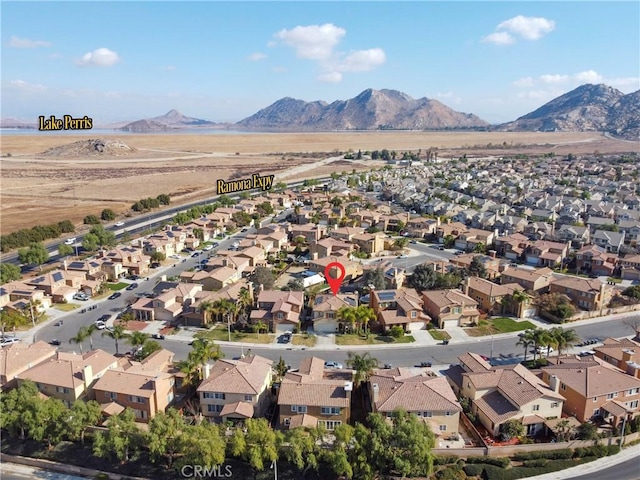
point(260, 325)
point(541, 338)
point(244, 298)
point(564, 339)
point(348, 314)
point(138, 338)
point(90, 330)
point(82, 334)
point(525, 340)
point(116, 333)
point(207, 309)
point(365, 314)
point(363, 365)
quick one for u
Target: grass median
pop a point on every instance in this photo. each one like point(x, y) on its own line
point(221, 335)
point(353, 339)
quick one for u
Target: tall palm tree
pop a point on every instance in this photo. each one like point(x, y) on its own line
point(90, 331)
point(364, 315)
point(525, 340)
point(348, 314)
point(207, 310)
point(541, 338)
point(137, 338)
point(564, 339)
point(363, 365)
point(116, 333)
point(80, 336)
point(244, 298)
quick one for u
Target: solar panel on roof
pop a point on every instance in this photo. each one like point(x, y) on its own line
point(76, 265)
point(386, 296)
point(57, 276)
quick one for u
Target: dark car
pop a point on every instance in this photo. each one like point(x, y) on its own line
point(104, 318)
point(133, 277)
point(114, 295)
point(387, 366)
point(424, 364)
point(54, 342)
point(157, 336)
point(133, 286)
point(244, 230)
point(58, 323)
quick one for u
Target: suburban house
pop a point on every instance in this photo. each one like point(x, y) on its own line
point(168, 305)
point(17, 294)
point(630, 267)
point(578, 236)
point(371, 243)
point(345, 233)
point(133, 260)
point(537, 280)
point(60, 285)
point(325, 312)
point(402, 307)
point(146, 387)
point(545, 253)
point(610, 241)
point(587, 293)
point(351, 269)
point(279, 310)
point(469, 240)
point(511, 246)
point(620, 353)
point(213, 279)
point(593, 388)
point(69, 376)
point(498, 394)
point(19, 357)
point(450, 308)
point(490, 297)
point(309, 232)
point(236, 389)
point(595, 260)
point(328, 246)
point(428, 396)
point(314, 396)
point(490, 262)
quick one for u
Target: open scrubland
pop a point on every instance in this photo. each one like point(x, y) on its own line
point(42, 184)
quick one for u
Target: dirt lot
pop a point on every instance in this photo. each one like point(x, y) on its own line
point(38, 188)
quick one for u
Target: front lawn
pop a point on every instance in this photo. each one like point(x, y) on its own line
point(66, 307)
point(220, 334)
point(304, 340)
point(440, 335)
point(499, 325)
point(117, 286)
point(355, 339)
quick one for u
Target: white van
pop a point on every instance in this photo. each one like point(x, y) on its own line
point(70, 241)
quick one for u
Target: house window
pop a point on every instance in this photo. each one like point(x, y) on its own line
point(536, 408)
point(170, 397)
point(136, 399)
point(330, 411)
point(39, 386)
point(214, 408)
point(111, 395)
point(140, 413)
point(248, 398)
point(633, 404)
point(299, 408)
point(280, 315)
point(443, 428)
point(596, 412)
point(330, 424)
point(427, 414)
point(414, 314)
point(595, 399)
point(563, 386)
point(612, 395)
point(633, 391)
point(555, 405)
point(207, 394)
point(219, 396)
point(64, 390)
point(447, 414)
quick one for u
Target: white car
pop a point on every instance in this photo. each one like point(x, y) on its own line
point(541, 349)
point(120, 224)
point(8, 341)
point(70, 241)
point(208, 247)
point(337, 365)
point(100, 325)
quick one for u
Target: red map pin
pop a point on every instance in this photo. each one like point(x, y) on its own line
point(334, 282)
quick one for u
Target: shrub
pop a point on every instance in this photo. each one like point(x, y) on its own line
point(613, 449)
point(538, 462)
point(474, 470)
point(91, 220)
point(502, 462)
point(445, 459)
point(451, 473)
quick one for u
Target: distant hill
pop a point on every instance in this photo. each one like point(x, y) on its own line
point(145, 126)
point(370, 110)
point(586, 108)
point(170, 121)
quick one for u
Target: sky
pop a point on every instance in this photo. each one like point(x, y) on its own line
point(224, 61)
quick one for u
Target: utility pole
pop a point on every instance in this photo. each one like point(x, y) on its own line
point(624, 425)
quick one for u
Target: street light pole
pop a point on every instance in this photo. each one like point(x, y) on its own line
point(274, 466)
point(491, 357)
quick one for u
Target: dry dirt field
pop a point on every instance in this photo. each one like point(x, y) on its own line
point(39, 188)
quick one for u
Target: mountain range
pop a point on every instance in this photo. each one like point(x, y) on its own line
point(586, 108)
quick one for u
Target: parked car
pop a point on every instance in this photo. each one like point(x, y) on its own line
point(104, 318)
point(100, 325)
point(8, 341)
point(58, 323)
point(119, 224)
point(114, 295)
point(133, 286)
point(244, 230)
point(157, 336)
point(331, 364)
point(207, 248)
point(424, 365)
point(542, 349)
point(81, 296)
point(387, 366)
point(55, 342)
point(404, 255)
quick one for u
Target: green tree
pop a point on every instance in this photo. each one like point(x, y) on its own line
point(401, 242)
point(263, 276)
point(11, 319)
point(122, 440)
point(632, 292)
point(280, 187)
point(65, 250)
point(302, 450)
point(19, 406)
point(348, 315)
point(337, 455)
point(587, 431)
point(148, 348)
point(525, 340)
point(364, 315)
point(410, 446)
point(422, 278)
point(477, 268)
point(563, 339)
point(396, 331)
point(49, 422)
point(202, 444)
point(449, 241)
point(376, 278)
point(363, 366)
point(106, 238)
point(90, 242)
point(511, 429)
point(81, 335)
point(281, 368)
point(157, 256)
point(117, 333)
point(36, 254)
point(261, 442)
point(295, 285)
point(107, 215)
point(163, 199)
point(137, 338)
point(164, 438)
point(82, 416)
point(9, 273)
point(91, 220)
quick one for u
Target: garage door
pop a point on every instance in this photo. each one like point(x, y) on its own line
point(325, 326)
point(413, 326)
point(283, 327)
point(529, 313)
point(450, 323)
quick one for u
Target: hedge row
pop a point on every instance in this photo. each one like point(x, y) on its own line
point(561, 454)
point(596, 451)
point(492, 472)
point(37, 234)
point(502, 462)
point(445, 459)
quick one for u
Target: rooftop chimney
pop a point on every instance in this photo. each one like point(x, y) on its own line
point(376, 392)
point(207, 371)
point(554, 383)
point(87, 375)
point(627, 355)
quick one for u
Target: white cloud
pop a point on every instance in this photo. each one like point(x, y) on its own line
point(499, 38)
point(314, 42)
point(17, 42)
point(551, 79)
point(590, 76)
point(524, 82)
point(627, 83)
point(102, 57)
point(331, 77)
point(448, 94)
point(319, 42)
point(26, 86)
point(254, 57)
point(529, 28)
point(363, 60)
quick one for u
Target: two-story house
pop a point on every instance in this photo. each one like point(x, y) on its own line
point(595, 260)
point(537, 280)
point(450, 308)
point(236, 389)
point(19, 357)
point(610, 241)
point(315, 396)
point(490, 297)
point(402, 307)
point(325, 312)
point(587, 293)
point(279, 310)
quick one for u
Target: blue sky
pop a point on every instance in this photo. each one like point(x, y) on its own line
point(223, 61)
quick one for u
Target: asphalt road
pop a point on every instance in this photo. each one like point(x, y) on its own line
point(629, 470)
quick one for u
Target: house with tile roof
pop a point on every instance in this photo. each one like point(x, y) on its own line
point(235, 390)
point(429, 397)
point(402, 307)
point(610, 241)
point(325, 312)
point(593, 388)
point(587, 293)
point(69, 376)
point(537, 280)
point(621, 353)
point(280, 310)
point(315, 396)
point(20, 357)
point(490, 297)
point(169, 305)
point(450, 308)
point(630, 267)
point(502, 393)
point(15, 294)
point(146, 392)
point(596, 260)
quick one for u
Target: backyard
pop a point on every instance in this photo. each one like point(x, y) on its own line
point(498, 325)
